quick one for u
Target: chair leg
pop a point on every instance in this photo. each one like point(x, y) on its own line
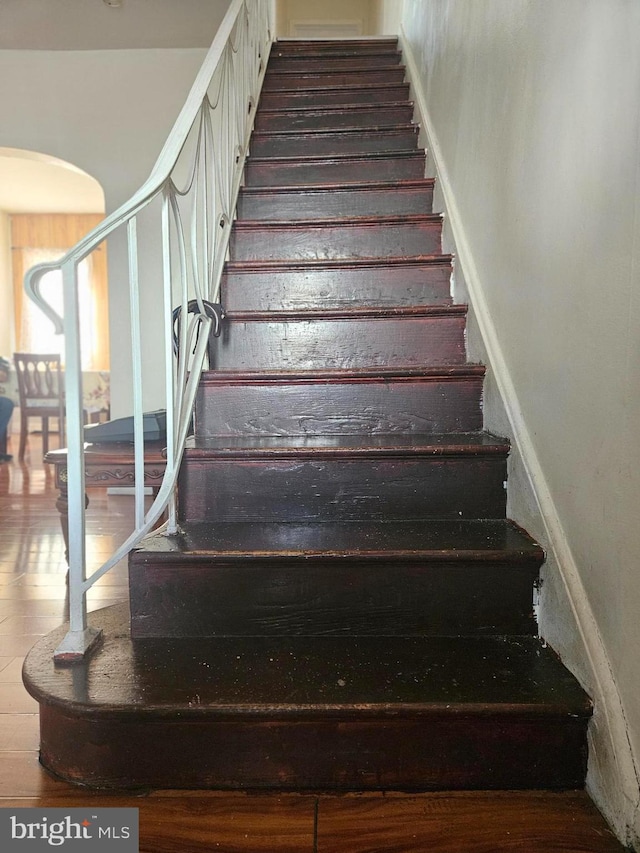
point(45, 436)
point(23, 436)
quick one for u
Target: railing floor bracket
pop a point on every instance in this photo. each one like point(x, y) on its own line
point(77, 645)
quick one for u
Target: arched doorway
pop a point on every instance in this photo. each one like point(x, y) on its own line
point(46, 206)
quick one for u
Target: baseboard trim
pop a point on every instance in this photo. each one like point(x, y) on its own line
point(614, 783)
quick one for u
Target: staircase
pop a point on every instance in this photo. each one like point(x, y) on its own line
point(347, 605)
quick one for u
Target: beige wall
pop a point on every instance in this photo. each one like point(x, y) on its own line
point(288, 12)
point(91, 25)
point(535, 115)
point(379, 17)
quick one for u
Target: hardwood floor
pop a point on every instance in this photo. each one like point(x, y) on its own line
point(32, 602)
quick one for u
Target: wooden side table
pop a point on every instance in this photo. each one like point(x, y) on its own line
point(105, 465)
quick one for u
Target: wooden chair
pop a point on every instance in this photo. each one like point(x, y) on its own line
point(41, 394)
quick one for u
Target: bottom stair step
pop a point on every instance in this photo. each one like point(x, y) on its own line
point(329, 713)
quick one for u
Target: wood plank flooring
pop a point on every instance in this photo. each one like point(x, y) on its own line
point(33, 602)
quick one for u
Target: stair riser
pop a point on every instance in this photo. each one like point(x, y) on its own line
point(330, 63)
point(318, 344)
point(390, 598)
point(336, 202)
point(277, 81)
point(342, 489)
point(434, 753)
point(365, 408)
point(286, 173)
point(297, 288)
point(333, 97)
point(377, 116)
point(313, 144)
point(335, 242)
point(329, 47)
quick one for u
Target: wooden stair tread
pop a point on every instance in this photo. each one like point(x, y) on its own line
point(335, 200)
point(405, 154)
point(344, 132)
point(388, 55)
point(335, 108)
point(325, 47)
point(280, 80)
point(441, 540)
point(329, 222)
point(346, 168)
point(363, 374)
point(336, 263)
point(386, 235)
point(355, 186)
point(302, 677)
point(350, 446)
point(297, 74)
point(333, 117)
point(326, 142)
point(350, 313)
point(380, 131)
point(339, 88)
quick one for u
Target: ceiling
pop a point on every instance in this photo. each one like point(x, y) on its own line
point(93, 25)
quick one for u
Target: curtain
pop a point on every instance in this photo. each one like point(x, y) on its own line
point(37, 238)
point(36, 332)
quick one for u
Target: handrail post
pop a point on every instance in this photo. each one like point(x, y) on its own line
point(80, 637)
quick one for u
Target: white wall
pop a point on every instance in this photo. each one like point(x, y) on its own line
point(108, 112)
point(535, 117)
point(389, 17)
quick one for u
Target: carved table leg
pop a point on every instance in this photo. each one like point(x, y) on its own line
point(62, 505)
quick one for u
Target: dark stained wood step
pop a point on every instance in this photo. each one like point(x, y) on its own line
point(328, 118)
point(329, 47)
point(297, 286)
point(282, 80)
point(344, 339)
point(320, 61)
point(478, 445)
point(331, 201)
point(409, 235)
point(374, 93)
point(321, 713)
point(349, 446)
point(347, 477)
point(326, 143)
point(485, 541)
point(424, 578)
point(340, 402)
point(345, 169)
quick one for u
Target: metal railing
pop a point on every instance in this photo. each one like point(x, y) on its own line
point(186, 207)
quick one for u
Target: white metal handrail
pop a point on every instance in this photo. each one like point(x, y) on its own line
point(188, 203)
